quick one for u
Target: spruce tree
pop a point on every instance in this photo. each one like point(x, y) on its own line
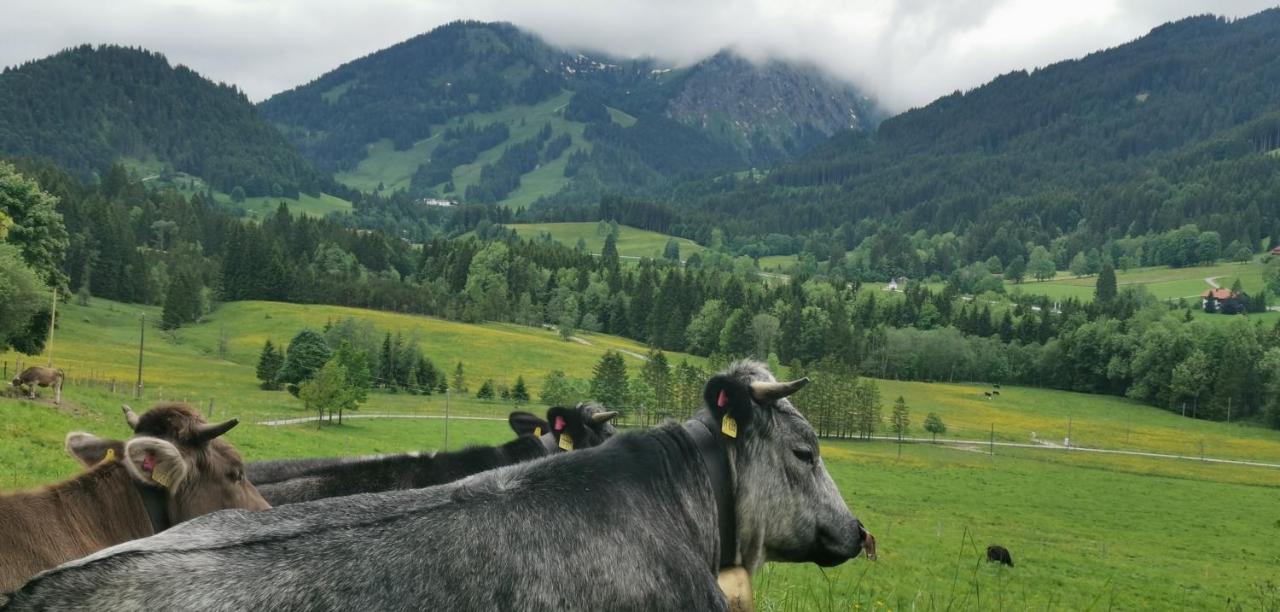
point(269, 362)
point(1105, 289)
point(520, 393)
point(485, 391)
point(609, 386)
point(182, 301)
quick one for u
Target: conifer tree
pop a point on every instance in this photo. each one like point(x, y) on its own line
point(269, 362)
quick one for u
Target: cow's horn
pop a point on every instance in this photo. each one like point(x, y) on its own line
point(207, 432)
point(603, 417)
point(773, 391)
point(130, 417)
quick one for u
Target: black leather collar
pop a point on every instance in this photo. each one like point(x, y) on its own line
point(156, 501)
point(715, 457)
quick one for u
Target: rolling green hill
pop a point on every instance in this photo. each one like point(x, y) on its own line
point(632, 242)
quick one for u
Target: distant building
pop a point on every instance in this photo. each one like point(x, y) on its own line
point(435, 202)
point(898, 284)
point(1221, 300)
point(1275, 250)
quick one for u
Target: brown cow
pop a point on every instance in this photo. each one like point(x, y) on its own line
point(173, 469)
point(42, 376)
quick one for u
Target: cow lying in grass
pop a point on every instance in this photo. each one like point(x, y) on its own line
point(641, 523)
point(583, 426)
point(173, 469)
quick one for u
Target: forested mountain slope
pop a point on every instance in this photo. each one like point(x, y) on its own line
point(87, 107)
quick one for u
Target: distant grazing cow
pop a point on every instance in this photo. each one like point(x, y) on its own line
point(999, 554)
point(586, 425)
point(41, 376)
point(986, 394)
point(995, 393)
point(173, 469)
point(996, 386)
point(641, 523)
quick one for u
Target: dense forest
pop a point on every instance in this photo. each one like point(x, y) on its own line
point(87, 107)
point(128, 243)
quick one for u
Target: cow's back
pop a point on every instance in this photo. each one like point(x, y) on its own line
point(44, 528)
point(491, 541)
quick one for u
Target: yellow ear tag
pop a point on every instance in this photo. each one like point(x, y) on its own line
point(566, 442)
point(729, 426)
point(111, 456)
point(537, 432)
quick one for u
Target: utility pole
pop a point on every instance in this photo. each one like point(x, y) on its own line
point(992, 447)
point(1068, 445)
point(142, 338)
point(53, 318)
point(1229, 409)
point(447, 394)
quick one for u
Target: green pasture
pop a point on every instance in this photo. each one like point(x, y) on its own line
point(1163, 282)
point(1087, 531)
point(632, 242)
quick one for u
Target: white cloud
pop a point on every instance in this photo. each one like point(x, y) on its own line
point(905, 52)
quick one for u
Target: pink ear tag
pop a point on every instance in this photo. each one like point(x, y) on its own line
point(724, 399)
point(149, 463)
point(559, 426)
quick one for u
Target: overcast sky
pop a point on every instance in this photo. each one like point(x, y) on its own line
point(903, 52)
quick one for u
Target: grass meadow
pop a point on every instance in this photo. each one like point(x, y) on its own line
point(632, 242)
point(1163, 282)
point(152, 174)
point(1087, 531)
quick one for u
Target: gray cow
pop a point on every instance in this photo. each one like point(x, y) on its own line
point(641, 523)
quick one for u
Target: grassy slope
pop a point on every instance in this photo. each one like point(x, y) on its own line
point(1096, 420)
point(187, 185)
point(100, 342)
point(632, 242)
point(393, 169)
point(1163, 282)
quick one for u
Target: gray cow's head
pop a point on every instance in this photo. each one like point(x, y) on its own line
point(788, 507)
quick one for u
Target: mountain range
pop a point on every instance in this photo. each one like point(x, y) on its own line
point(1180, 126)
point(614, 123)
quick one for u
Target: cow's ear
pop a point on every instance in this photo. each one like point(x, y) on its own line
point(526, 424)
point(727, 396)
point(155, 462)
point(90, 450)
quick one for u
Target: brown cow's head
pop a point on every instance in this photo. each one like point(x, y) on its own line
point(175, 449)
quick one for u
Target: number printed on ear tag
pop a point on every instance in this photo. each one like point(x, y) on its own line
point(537, 432)
point(729, 426)
point(566, 442)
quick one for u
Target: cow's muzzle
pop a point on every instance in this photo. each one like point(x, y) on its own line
point(835, 546)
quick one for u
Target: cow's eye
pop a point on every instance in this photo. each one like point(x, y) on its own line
point(235, 475)
point(804, 455)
